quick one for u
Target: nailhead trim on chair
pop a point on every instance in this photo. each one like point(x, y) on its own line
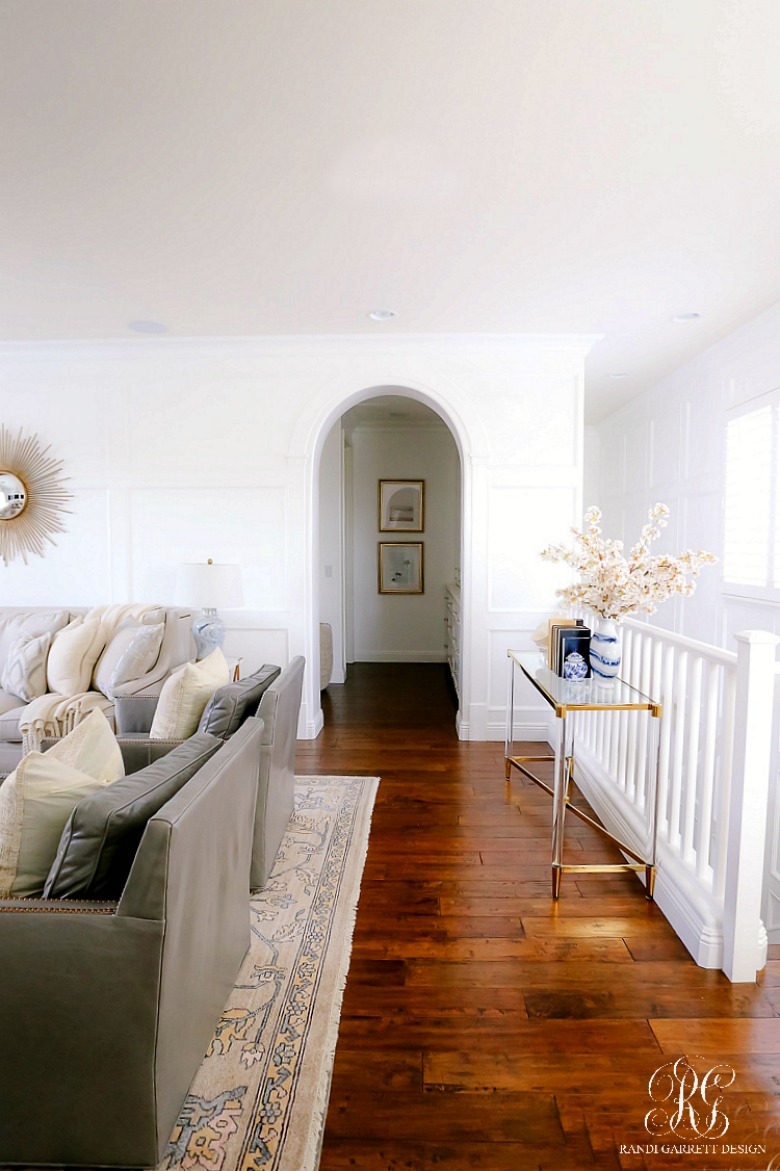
point(146, 740)
point(30, 904)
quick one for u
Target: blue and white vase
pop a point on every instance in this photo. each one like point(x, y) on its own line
point(605, 651)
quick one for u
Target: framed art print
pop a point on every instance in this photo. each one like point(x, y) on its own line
point(401, 506)
point(400, 568)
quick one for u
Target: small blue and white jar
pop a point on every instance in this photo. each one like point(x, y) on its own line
point(575, 667)
point(605, 651)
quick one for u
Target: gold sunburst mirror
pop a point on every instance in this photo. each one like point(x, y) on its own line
point(32, 496)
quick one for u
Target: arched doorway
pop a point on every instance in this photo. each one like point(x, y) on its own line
point(386, 433)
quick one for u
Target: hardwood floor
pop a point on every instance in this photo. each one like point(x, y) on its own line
point(483, 1025)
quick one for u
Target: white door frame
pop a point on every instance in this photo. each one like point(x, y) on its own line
point(315, 442)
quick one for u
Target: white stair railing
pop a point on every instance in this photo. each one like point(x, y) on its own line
point(713, 756)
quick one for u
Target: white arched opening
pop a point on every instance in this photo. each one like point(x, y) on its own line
point(317, 439)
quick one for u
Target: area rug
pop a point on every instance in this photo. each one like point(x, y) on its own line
point(259, 1100)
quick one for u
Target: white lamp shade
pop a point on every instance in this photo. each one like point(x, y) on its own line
point(209, 586)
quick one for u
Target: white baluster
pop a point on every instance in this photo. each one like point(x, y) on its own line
point(678, 697)
point(690, 785)
point(703, 843)
point(722, 801)
point(665, 746)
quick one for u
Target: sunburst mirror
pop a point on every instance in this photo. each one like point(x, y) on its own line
point(32, 496)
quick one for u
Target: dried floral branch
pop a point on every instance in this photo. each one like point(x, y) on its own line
point(613, 585)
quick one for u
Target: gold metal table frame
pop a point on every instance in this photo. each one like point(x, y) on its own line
point(565, 697)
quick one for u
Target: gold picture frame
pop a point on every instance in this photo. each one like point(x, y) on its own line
point(401, 567)
point(401, 505)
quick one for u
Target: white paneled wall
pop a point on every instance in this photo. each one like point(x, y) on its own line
point(331, 545)
point(669, 445)
point(180, 450)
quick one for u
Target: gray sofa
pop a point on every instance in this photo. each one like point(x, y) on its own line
point(107, 1007)
point(176, 648)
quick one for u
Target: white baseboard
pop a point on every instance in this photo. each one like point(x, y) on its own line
point(690, 910)
point(399, 657)
point(524, 730)
point(308, 728)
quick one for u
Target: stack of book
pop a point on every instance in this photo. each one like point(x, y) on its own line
point(569, 648)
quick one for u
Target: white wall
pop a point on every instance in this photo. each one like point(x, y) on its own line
point(331, 544)
point(406, 628)
point(669, 445)
point(180, 450)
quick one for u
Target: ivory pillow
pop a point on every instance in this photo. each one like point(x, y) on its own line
point(91, 748)
point(72, 657)
point(132, 652)
point(35, 803)
point(24, 671)
point(185, 695)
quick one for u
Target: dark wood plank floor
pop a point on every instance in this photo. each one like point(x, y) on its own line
point(484, 1026)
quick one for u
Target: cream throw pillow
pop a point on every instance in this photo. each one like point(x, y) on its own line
point(38, 798)
point(24, 672)
point(35, 803)
point(185, 695)
point(72, 657)
point(91, 748)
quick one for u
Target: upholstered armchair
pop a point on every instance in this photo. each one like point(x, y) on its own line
point(279, 710)
point(107, 1007)
point(279, 707)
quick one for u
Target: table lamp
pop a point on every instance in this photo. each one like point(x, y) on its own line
point(209, 587)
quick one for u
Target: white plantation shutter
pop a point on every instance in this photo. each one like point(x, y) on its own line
point(752, 519)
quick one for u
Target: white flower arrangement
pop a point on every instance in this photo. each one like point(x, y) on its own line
point(612, 585)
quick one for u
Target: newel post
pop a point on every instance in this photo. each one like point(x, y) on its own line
point(748, 807)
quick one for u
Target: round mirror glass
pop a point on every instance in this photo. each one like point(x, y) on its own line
point(13, 496)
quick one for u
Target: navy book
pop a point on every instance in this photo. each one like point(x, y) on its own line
point(573, 657)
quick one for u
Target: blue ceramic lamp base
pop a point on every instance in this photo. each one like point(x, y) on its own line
point(208, 630)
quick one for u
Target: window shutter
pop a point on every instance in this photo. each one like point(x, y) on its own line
point(752, 512)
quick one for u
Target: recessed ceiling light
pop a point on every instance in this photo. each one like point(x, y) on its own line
point(147, 327)
point(382, 314)
point(685, 316)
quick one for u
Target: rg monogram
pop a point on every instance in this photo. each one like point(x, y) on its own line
point(692, 1101)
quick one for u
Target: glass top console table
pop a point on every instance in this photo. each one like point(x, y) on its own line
point(567, 697)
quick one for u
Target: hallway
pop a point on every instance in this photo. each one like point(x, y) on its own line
point(484, 1026)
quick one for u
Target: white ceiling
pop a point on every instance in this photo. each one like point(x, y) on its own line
point(393, 409)
point(246, 167)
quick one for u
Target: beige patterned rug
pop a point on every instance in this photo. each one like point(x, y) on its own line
point(260, 1098)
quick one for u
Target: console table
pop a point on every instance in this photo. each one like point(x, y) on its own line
point(566, 697)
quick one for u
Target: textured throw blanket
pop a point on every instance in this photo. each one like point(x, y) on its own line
point(51, 716)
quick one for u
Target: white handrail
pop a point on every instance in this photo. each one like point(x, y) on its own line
point(659, 634)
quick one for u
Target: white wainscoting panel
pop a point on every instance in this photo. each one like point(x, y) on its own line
point(533, 717)
point(76, 570)
point(254, 644)
point(225, 523)
point(521, 521)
